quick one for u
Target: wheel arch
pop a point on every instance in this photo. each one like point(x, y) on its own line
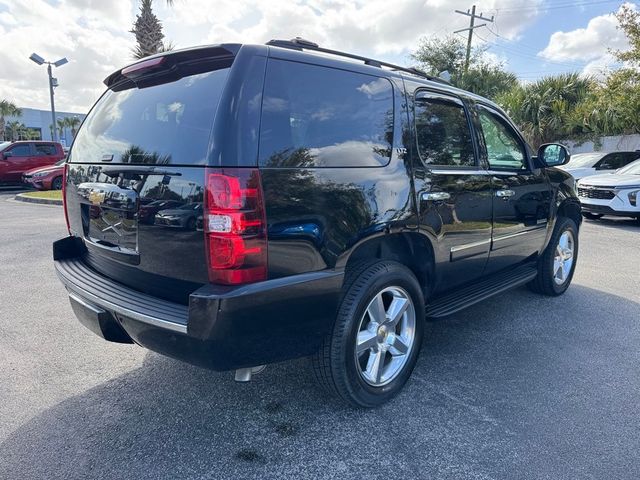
point(411, 249)
point(570, 208)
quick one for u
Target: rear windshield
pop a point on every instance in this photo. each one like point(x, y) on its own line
point(168, 123)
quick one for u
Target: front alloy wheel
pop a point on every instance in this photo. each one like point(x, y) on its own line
point(563, 259)
point(558, 261)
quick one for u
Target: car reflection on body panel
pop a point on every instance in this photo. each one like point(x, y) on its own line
point(185, 216)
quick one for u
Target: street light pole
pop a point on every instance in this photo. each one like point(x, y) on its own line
point(52, 84)
point(54, 129)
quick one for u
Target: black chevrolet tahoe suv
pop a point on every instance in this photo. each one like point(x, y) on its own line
point(344, 201)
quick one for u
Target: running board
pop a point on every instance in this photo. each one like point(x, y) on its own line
point(481, 290)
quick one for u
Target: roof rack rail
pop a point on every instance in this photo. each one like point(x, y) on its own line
point(299, 43)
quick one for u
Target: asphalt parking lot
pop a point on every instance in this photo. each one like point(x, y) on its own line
point(519, 386)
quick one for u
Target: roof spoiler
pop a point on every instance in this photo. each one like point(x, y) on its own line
point(168, 61)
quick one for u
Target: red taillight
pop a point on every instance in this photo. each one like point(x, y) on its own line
point(235, 226)
point(64, 196)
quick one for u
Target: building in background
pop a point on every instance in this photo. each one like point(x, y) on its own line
point(37, 125)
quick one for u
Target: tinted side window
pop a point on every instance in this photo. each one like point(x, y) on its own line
point(45, 149)
point(22, 150)
point(504, 149)
point(614, 161)
point(442, 132)
point(316, 116)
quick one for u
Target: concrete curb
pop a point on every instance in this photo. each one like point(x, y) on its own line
point(45, 201)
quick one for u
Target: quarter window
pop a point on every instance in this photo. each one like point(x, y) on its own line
point(315, 116)
point(442, 132)
point(45, 149)
point(504, 149)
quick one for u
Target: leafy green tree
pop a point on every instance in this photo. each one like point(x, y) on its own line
point(612, 107)
point(488, 80)
point(629, 21)
point(7, 109)
point(148, 32)
point(435, 55)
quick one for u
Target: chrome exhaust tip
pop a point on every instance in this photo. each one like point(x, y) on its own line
point(245, 374)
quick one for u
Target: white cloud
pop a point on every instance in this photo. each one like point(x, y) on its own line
point(591, 44)
point(91, 34)
point(374, 27)
point(94, 34)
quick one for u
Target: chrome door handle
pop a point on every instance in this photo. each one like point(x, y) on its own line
point(505, 194)
point(435, 196)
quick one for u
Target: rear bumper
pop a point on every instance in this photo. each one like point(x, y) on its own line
point(222, 328)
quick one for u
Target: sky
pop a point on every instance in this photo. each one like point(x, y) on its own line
point(531, 38)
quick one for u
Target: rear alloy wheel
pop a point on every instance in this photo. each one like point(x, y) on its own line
point(385, 336)
point(56, 183)
point(376, 339)
point(592, 216)
point(558, 262)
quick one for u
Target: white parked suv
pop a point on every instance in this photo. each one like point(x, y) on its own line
point(612, 194)
point(594, 163)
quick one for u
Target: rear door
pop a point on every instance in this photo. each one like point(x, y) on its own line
point(521, 193)
point(453, 189)
point(45, 154)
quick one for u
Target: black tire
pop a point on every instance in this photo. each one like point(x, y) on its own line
point(544, 282)
point(191, 224)
point(592, 216)
point(335, 365)
point(56, 183)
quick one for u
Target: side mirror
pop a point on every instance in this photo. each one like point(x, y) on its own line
point(553, 154)
point(6, 155)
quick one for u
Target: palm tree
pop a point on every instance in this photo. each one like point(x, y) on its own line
point(62, 124)
point(15, 128)
point(545, 109)
point(72, 124)
point(7, 109)
point(148, 32)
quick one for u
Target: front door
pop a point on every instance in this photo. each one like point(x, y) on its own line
point(21, 155)
point(521, 193)
point(453, 190)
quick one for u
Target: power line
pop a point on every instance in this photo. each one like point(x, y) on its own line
point(557, 6)
point(472, 18)
point(515, 51)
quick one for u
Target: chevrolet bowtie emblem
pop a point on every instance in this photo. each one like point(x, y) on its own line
point(96, 197)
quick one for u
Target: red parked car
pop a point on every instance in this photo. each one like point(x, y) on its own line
point(19, 157)
point(46, 178)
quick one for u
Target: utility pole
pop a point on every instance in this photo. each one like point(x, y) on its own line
point(472, 25)
point(52, 83)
